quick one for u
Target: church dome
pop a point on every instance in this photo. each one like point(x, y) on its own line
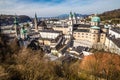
point(23, 31)
point(106, 26)
point(95, 19)
point(95, 27)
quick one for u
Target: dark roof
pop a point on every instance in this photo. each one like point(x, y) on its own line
point(41, 23)
point(82, 30)
point(116, 29)
point(116, 41)
point(33, 33)
point(51, 31)
point(101, 26)
point(78, 49)
point(82, 25)
point(61, 26)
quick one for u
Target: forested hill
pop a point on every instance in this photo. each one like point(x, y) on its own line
point(113, 15)
point(9, 19)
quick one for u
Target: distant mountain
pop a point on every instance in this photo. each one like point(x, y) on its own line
point(67, 15)
point(63, 16)
point(9, 19)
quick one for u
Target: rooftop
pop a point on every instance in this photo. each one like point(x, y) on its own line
point(50, 31)
point(115, 40)
point(95, 27)
point(82, 30)
point(42, 23)
point(116, 29)
point(81, 25)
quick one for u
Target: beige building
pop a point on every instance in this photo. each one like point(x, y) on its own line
point(93, 33)
point(64, 29)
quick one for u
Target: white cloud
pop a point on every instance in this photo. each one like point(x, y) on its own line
point(50, 9)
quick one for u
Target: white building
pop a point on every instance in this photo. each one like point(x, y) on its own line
point(49, 34)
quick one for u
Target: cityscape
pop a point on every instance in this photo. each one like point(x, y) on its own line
point(60, 42)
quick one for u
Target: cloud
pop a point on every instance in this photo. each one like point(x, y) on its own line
point(56, 7)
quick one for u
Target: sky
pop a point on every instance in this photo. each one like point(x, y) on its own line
point(47, 8)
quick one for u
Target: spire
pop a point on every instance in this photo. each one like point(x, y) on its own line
point(74, 15)
point(35, 22)
point(16, 25)
point(35, 16)
point(71, 15)
point(15, 20)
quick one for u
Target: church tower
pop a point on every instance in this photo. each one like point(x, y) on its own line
point(95, 29)
point(23, 33)
point(16, 26)
point(70, 23)
point(35, 22)
point(74, 18)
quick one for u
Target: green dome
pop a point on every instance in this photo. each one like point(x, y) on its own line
point(107, 26)
point(95, 19)
point(15, 22)
point(23, 31)
point(95, 27)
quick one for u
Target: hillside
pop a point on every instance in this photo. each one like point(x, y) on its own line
point(9, 19)
point(113, 15)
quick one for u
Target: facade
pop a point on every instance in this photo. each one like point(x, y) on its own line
point(112, 43)
point(49, 34)
point(92, 33)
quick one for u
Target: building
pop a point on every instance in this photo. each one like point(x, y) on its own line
point(93, 33)
point(112, 43)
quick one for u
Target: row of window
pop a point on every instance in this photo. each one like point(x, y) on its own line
point(83, 34)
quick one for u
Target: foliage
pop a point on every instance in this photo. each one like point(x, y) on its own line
point(102, 65)
point(27, 64)
point(113, 16)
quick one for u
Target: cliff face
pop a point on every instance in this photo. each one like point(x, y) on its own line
point(9, 19)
